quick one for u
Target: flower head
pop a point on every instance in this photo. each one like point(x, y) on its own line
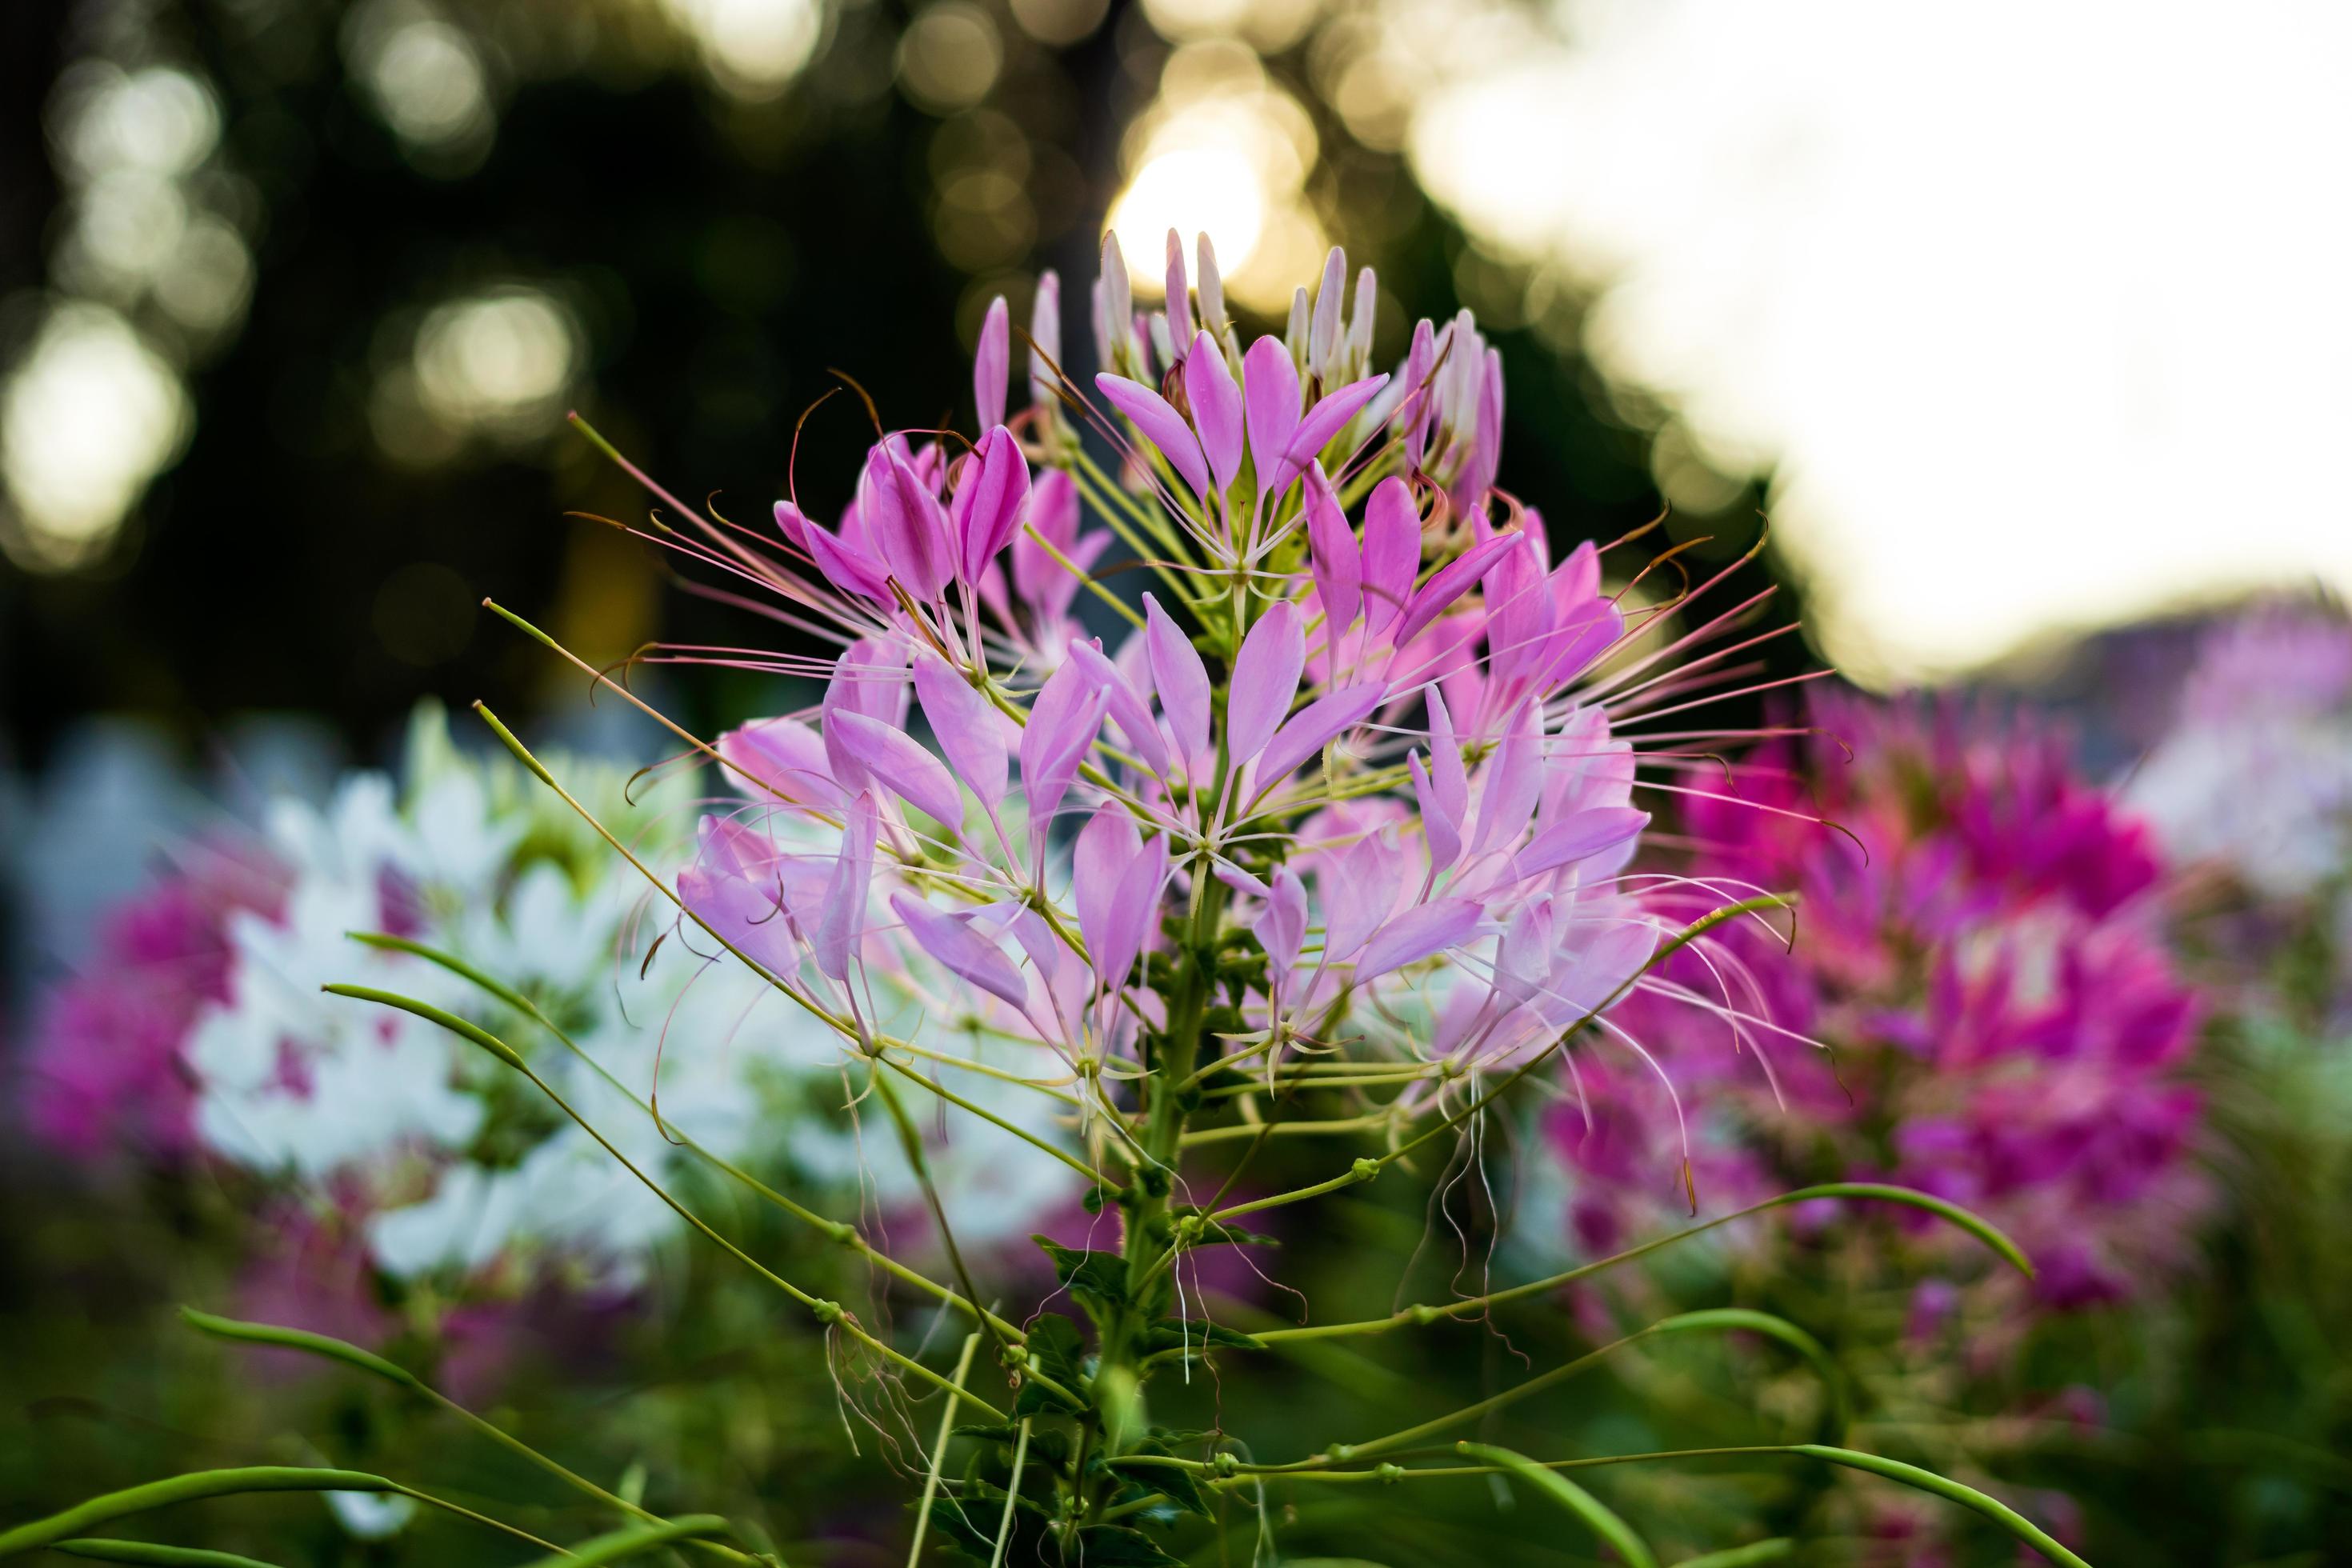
point(1980, 948)
point(1353, 754)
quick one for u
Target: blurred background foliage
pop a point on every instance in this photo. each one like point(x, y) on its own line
point(294, 296)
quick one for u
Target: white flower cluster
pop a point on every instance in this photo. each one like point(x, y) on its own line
point(457, 1164)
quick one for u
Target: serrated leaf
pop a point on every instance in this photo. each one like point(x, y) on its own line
point(1177, 1485)
point(989, 1492)
point(1174, 1333)
point(1214, 1233)
point(1059, 1349)
point(1053, 1447)
point(1096, 1280)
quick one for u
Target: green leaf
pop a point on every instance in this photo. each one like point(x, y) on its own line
point(1571, 1496)
point(1982, 1229)
point(299, 1339)
point(1051, 1446)
point(1059, 1349)
point(962, 1532)
point(148, 1551)
point(989, 1492)
point(1096, 1280)
point(431, 1014)
point(190, 1487)
point(1175, 1333)
point(2016, 1524)
point(1212, 1233)
point(1177, 1485)
point(1825, 1367)
point(1116, 1546)
point(621, 1544)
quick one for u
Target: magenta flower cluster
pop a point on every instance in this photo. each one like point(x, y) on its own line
point(1980, 950)
point(106, 1070)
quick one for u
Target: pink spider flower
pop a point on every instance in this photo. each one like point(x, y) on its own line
point(1979, 947)
point(1360, 733)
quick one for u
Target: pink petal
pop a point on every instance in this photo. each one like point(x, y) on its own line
point(1315, 726)
point(1359, 887)
point(1063, 721)
point(1524, 958)
point(1332, 548)
point(989, 502)
point(1579, 836)
point(903, 766)
point(1131, 926)
point(966, 953)
point(869, 677)
point(1392, 554)
point(1054, 513)
point(1161, 425)
point(1453, 580)
point(1599, 975)
point(850, 570)
point(1210, 286)
point(1448, 777)
point(1126, 705)
point(1441, 830)
point(793, 523)
point(1282, 928)
point(1417, 934)
point(991, 363)
point(785, 755)
point(1270, 391)
point(1327, 418)
point(1512, 783)
point(744, 917)
point(1179, 301)
point(1046, 339)
point(842, 925)
point(969, 729)
point(1216, 400)
point(1181, 680)
point(907, 525)
point(1265, 678)
point(1412, 410)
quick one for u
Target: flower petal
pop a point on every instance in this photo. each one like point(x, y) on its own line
point(966, 953)
point(1315, 726)
point(1270, 391)
point(1216, 400)
point(1161, 425)
point(1417, 934)
point(904, 766)
point(1182, 681)
point(1265, 678)
point(969, 729)
point(991, 363)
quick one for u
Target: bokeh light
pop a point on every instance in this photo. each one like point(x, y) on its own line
point(1224, 151)
point(498, 365)
point(427, 79)
point(87, 419)
point(752, 48)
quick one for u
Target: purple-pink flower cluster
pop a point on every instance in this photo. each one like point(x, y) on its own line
point(106, 1071)
point(1355, 737)
point(1980, 950)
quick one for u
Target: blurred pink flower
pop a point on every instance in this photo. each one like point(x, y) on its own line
point(105, 1067)
point(1978, 949)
